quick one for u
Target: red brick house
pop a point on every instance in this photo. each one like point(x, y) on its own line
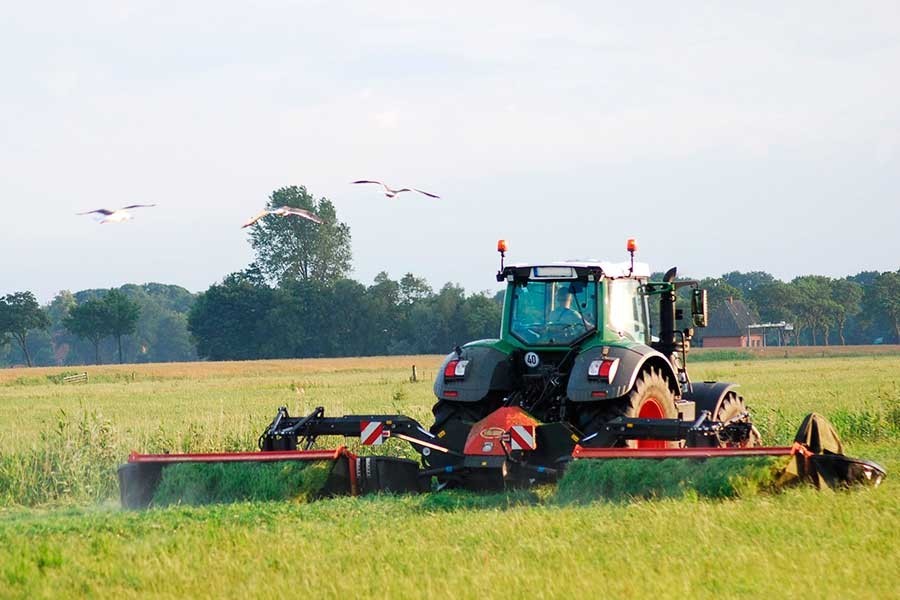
point(728, 327)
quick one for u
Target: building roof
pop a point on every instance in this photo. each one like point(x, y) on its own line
point(730, 319)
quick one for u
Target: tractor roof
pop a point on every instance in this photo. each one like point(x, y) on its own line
point(609, 269)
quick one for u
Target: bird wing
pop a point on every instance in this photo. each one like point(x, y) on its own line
point(136, 206)
point(102, 211)
point(300, 212)
point(429, 194)
point(367, 181)
point(255, 218)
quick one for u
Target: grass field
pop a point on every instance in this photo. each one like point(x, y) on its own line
point(62, 533)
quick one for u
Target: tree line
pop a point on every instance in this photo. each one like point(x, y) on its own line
point(296, 299)
point(857, 309)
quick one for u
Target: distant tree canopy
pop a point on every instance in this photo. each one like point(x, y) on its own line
point(112, 315)
point(237, 320)
point(20, 313)
point(122, 316)
point(88, 321)
point(295, 249)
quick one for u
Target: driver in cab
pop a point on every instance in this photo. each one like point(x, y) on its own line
point(566, 310)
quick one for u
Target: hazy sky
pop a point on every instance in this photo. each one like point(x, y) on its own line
point(758, 138)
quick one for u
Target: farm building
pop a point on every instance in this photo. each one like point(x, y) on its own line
point(730, 327)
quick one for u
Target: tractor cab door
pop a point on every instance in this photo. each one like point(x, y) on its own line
point(628, 314)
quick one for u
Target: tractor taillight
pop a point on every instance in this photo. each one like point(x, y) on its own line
point(604, 368)
point(456, 369)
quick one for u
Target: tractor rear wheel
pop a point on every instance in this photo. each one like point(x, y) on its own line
point(650, 398)
point(452, 422)
point(467, 413)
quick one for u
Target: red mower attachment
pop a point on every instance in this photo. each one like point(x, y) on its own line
point(508, 448)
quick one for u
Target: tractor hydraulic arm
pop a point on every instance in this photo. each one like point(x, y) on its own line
point(287, 433)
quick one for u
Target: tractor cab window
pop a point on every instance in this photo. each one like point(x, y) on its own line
point(628, 309)
point(553, 312)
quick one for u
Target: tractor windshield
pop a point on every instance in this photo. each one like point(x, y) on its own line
point(553, 312)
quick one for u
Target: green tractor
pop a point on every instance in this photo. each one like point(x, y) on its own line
point(577, 374)
point(577, 347)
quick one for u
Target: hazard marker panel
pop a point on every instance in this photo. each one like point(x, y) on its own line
point(371, 433)
point(521, 437)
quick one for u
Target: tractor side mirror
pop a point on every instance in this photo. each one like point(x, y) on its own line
point(699, 308)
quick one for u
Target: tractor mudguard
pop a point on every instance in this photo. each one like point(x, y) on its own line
point(708, 395)
point(488, 369)
point(631, 360)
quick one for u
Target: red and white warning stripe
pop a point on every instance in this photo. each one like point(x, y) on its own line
point(371, 433)
point(521, 437)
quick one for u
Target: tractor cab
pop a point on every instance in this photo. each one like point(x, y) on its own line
point(561, 305)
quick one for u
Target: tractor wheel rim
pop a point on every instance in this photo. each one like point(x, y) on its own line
point(651, 409)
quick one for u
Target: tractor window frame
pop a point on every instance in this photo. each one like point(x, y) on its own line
point(537, 322)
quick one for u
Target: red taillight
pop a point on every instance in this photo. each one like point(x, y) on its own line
point(450, 369)
point(604, 368)
point(451, 393)
point(456, 369)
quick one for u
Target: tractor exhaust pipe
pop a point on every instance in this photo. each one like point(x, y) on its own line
point(667, 315)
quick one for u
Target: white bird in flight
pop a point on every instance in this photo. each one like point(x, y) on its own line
point(119, 215)
point(284, 211)
point(390, 192)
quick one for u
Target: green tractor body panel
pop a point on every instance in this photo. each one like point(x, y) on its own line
point(496, 366)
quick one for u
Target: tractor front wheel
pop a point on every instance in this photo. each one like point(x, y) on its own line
point(731, 409)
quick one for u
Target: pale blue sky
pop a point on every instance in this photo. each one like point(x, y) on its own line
point(758, 138)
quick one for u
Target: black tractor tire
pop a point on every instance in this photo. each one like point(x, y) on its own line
point(731, 406)
point(650, 398)
point(467, 413)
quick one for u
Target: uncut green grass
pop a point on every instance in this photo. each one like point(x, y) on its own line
point(73, 540)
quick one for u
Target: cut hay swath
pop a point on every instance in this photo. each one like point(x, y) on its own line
point(207, 483)
point(589, 480)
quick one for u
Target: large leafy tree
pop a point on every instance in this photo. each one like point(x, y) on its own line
point(20, 314)
point(815, 308)
point(847, 296)
point(227, 320)
point(886, 294)
point(296, 249)
point(89, 321)
point(122, 316)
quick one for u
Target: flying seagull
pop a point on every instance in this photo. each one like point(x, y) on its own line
point(118, 215)
point(284, 211)
point(390, 192)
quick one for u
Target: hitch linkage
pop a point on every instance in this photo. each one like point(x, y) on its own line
point(621, 429)
point(287, 433)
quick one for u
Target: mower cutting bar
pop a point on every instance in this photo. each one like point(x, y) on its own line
point(582, 452)
point(134, 457)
